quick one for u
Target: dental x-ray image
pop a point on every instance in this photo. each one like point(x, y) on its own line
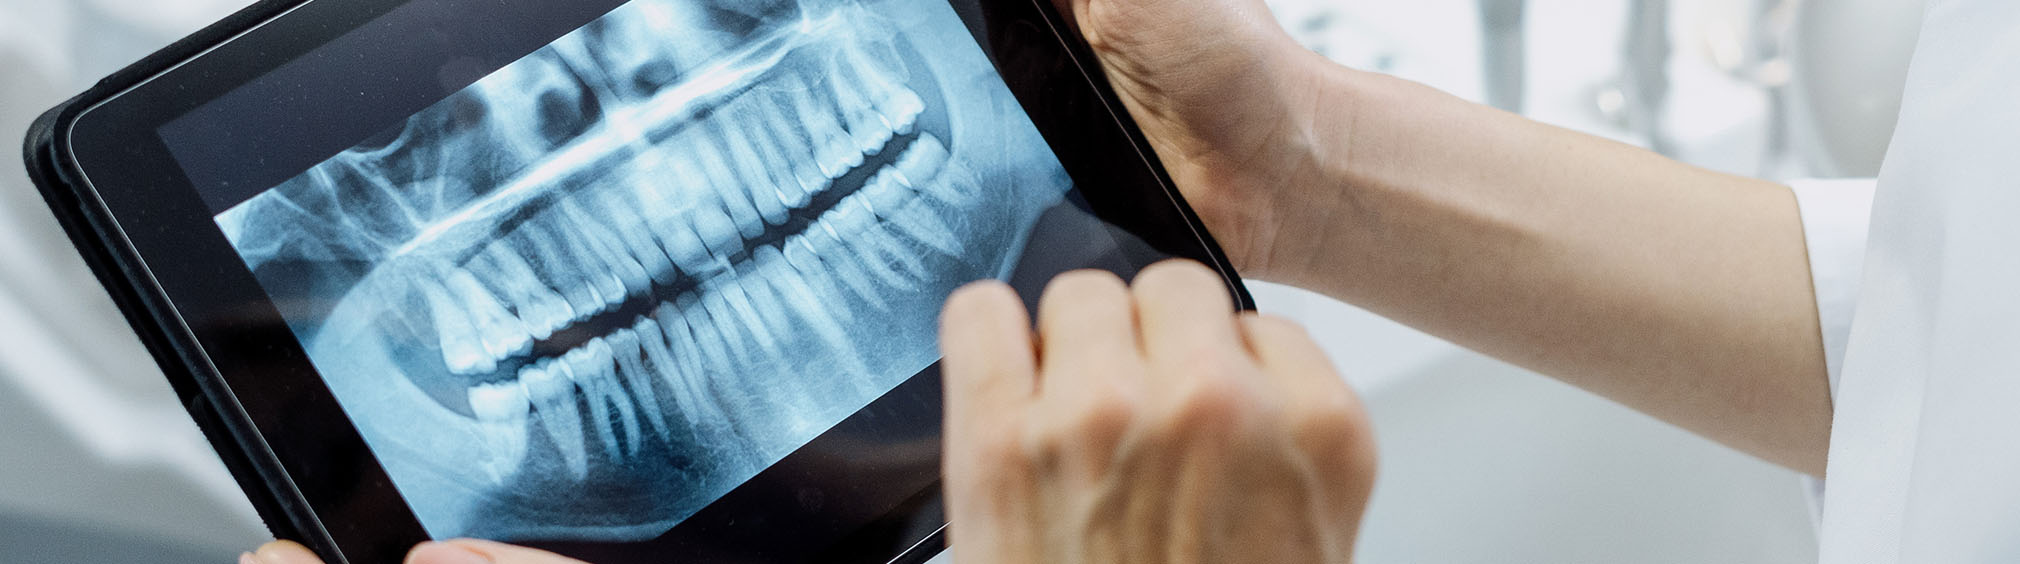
point(597, 290)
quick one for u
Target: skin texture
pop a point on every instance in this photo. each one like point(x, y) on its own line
point(1150, 424)
point(1674, 290)
point(1146, 424)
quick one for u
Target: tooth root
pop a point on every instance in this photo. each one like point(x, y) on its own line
point(722, 324)
point(553, 399)
point(562, 271)
point(599, 240)
point(717, 232)
point(874, 240)
point(901, 209)
point(601, 269)
point(754, 175)
point(867, 130)
point(831, 144)
point(715, 349)
point(816, 262)
point(628, 225)
point(501, 411)
point(793, 147)
point(539, 308)
point(501, 334)
point(462, 350)
point(922, 224)
point(717, 178)
point(923, 167)
point(785, 183)
point(807, 271)
point(752, 314)
point(826, 238)
point(788, 287)
point(601, 368)
point(680, 368)
point(625, 348)
point(575, 367)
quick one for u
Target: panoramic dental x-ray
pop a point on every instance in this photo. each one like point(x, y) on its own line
point(600, 288)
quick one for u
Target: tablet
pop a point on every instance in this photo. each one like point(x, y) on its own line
point(634, 281)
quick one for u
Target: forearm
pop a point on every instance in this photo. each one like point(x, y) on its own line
point(1677, 291)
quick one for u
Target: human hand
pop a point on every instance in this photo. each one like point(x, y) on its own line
point(1251, 125)
point(450, 552)
point(1145, 424)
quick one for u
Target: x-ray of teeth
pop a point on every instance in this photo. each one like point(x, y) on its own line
point(605, 285)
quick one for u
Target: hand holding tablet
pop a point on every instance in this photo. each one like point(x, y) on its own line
point(615, 279)
point(1137, 421)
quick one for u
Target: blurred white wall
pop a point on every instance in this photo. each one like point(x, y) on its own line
point(1482, 462)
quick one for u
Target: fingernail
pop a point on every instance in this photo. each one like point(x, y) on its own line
point(247, 558)
point(445, 553)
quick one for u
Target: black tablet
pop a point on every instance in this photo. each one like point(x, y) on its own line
point(634, 281)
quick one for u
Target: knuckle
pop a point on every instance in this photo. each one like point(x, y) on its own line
point(1092, 425)
point(1085, 285)
point(1209, 408)
point(1176, 278)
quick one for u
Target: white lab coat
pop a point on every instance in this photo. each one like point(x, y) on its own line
point(1925, 340)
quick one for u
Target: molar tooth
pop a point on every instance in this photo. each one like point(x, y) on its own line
point(752, 314)
point(462, 349)
point(539, 308)
point(574, 367)
point(713, 349)
point(806, 271)
point(787, 287)
point(924, 164)
point(553, 399)
point(718, 178)
point(901, 209)
point(867, 129)
point(598, 367)
point(600, 241)
point(786, 183)
point(830, 143)
point(716, 232)
point(501, 411)
point(629, 224)
point(817, 263)
point(873, 239)
point(826, 238)
point(625, 348)
point(679, 375)
point(723, 317)
point(601, 268)
point(794, 150)
point(500, 333)
point(752, 171)
point(563, 271)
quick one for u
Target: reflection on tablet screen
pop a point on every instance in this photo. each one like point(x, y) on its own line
point(599, 289)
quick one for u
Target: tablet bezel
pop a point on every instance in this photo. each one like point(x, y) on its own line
point(232, 337)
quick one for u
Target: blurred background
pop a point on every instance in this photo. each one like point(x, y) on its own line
point(1482, 462)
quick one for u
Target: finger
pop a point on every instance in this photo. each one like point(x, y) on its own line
point(1087, 334)
point(280, 552)
point(482, 552)
point(1292, 362)
point(1326, 420)
point(990, 363)
point(1184, 312)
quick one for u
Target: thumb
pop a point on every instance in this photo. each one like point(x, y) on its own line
point(482, 552)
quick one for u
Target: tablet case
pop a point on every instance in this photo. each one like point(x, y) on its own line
point(59, 180)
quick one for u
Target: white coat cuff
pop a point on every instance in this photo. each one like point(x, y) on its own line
point(1835, 215)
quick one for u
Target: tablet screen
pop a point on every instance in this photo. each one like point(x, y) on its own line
point(610, 282)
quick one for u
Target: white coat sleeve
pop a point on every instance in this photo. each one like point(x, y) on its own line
point(1835, 215)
